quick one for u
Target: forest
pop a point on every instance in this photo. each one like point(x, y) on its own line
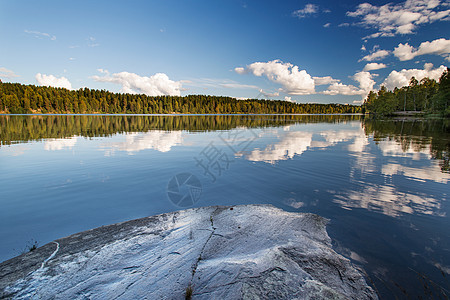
point(17, 98)
point(426, 96)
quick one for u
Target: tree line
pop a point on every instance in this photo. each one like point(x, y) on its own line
point(23, 99)
point(426, 95)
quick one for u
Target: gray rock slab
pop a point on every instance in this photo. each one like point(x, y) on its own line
point(240, 252)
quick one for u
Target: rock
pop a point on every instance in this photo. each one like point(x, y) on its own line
point(243, 252)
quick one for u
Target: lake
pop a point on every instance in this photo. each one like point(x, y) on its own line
point(383, 184)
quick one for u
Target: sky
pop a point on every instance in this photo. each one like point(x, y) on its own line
point(303, 51)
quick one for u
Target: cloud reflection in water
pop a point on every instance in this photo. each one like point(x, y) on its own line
point(161, 141)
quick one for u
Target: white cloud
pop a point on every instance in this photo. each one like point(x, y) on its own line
point(364, 79)
point(155, 85)
point(293, 80)
point(40, 35)
point(326, 25)
point(374, 66)
point(288, 99)
point(309, 9)
point(403, 77)
point(5, 73)
point(325, 80)
point(240, 70)
point(50, 80)
point(403, 18)
point(267, 95)
point(338, 88)
point(404, 52)
point(363, 48)
point(377, 55)
point(437, 47)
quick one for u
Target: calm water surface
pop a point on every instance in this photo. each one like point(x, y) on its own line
point(382, 184)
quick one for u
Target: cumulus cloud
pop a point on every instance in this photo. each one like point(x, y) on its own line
point(41, 35)
point(437, 47)
point(325, 80)
point(364, 79)
point(377, 55)
point(374, 66)
point(309, 9)
point(402, 18)
point(403, 77)
point(50, 80)
point(293, 80)
point(155, 85)
point(342, 89)
point(5, 73)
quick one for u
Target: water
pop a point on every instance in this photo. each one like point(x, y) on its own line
point(382, 184)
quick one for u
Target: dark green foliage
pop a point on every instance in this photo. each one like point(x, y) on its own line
point(424, 96)
point(416, 135)
point(442, 98)
point(18, 98)
point(15, 129)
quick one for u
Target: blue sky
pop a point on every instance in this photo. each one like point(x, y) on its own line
point(303, 51)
